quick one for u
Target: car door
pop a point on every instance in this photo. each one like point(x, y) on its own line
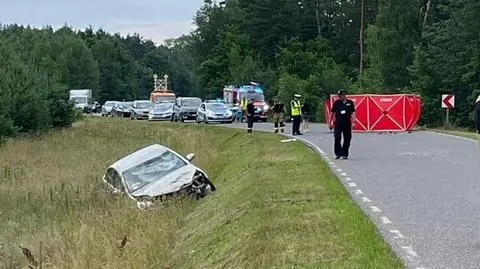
point(132, 110)
point(201, 111)
point(177, 108)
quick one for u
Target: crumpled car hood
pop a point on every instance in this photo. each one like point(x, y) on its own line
point(168, 184)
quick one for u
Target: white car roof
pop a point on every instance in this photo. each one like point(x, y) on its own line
point(141, 156)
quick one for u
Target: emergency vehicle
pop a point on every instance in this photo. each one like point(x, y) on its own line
point(160, 92)
point(234, 94)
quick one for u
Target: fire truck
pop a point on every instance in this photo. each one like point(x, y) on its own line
point(233, 94)
point(160, 92)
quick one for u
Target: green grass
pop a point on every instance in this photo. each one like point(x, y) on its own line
point(458, 132)
point(277, 204)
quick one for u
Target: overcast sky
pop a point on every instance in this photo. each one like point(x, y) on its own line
point(152, 19)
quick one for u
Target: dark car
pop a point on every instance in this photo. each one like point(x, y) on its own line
point(122, 109)
point(186, 108)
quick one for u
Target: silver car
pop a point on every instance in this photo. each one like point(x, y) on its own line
point(214, 112)
point(154, 173)
point(107, 108)
point(161, 111)
point(140, 109)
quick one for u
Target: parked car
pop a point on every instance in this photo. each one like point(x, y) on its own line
point(186, 108)
point(107, 108)
point(122, 109)
point(154, 173)
point(140, 109)
point(214, 112)
point(96, 107)
point(161, 111)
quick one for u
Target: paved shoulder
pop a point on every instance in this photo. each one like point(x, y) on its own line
point(422, 189)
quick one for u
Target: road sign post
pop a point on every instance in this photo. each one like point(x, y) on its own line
point(448, 102)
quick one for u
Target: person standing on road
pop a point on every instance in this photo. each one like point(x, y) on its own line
point(305, 116)
point(243, 106)
point(343, 110)
point(296, 114)
point(477, 114)
point(278, 116)
point(250, 115)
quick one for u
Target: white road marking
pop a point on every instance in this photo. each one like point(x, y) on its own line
point(409, 251)
point(343, 174)
point(339, 170)
point(385, 220)
point(348, 179)
point(397, 233)
point(352, 184)
point(366, 200)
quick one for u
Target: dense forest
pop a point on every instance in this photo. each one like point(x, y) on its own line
point(313, 47)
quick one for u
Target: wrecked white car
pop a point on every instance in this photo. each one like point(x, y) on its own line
point(154, 173)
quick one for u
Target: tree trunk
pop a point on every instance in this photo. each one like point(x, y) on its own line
point(317, 16)
point(361, 38)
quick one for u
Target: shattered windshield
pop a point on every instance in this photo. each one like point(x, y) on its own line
point(152, 170)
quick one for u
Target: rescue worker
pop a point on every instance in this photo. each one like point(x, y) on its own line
point(243, 107)
point(296, 114)
point(477, 114)
point(343, 110)
point(250, 115)
point(278, 116)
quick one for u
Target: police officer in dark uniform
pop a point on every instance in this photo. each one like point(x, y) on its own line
point(343, 110)
point(250, 115)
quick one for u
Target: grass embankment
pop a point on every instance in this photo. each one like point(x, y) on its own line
point(277, 204)
point(458, 132)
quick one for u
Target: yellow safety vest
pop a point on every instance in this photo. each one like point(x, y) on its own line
point(296, 108)
point(243, 104)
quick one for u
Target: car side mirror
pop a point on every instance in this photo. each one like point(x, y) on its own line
point(190, 156)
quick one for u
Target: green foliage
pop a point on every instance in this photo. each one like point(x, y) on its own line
point(309, 46)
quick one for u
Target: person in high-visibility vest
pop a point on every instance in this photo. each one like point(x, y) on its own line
point(243, 107)
point(296, 114)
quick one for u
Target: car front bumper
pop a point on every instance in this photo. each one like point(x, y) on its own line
point(188, 115)
point(160, 117)
point(220, 119)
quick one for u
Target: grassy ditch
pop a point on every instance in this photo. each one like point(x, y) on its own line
point(277, 204)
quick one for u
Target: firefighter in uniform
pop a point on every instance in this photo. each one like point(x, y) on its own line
point(243, 107)
point(296, 114)
point(250, 115)
point(278, 116)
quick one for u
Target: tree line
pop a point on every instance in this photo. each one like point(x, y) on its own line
point(313, 47)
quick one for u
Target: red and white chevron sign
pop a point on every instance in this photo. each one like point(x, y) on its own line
point(448, 100)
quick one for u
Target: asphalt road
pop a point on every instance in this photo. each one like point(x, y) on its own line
point(421, 189)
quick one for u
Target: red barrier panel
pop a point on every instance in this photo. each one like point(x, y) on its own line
point(382, 113)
